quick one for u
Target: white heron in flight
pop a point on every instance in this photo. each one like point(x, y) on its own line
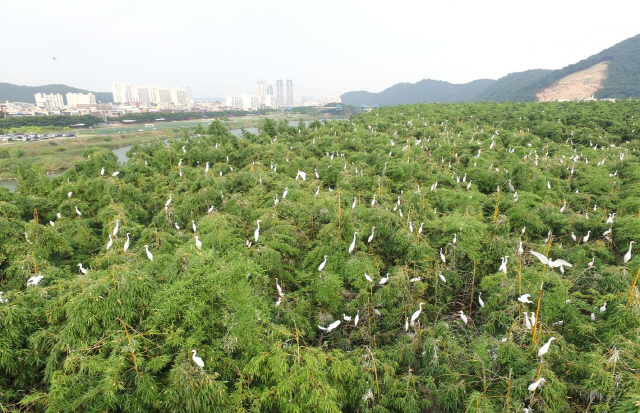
point(353, 243)
point(551, 263)
point(331, 326)
point(197, 359)
point(35, 280)
point(524, 299)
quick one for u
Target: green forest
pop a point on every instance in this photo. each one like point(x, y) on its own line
point(423, 258)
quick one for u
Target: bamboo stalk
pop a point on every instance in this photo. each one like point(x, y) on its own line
point(632, 289)
point(508, 391)
point(534, 392)
point(535, 324)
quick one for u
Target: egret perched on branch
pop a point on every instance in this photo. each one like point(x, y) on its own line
point(322, 264)
point(116, 173)
point(573, 237)
point(480, 300)
point(442, 257)
point(69, 194)
point(197, 359)
point(149, 254)
point(82, 269)
point(610, 218)
point(463, 317)
point(545, 348)
point(284, 194)
point(371, 236)
point(126, 243)
point(533, 386)
point(198, 244)
point(444, 280)
point(117, 227)
point(415, 315)
point(421, 229)
point(331, 326)
point(603, 308)
point(346, 317)
point(35, 280)
point(256, 233)
point(590, 263)
point(102, 171)
point(384, 280)
point(627, 256)
point(520, 250)
point(355, 321)
point(503, 266)
point(373, 201)
point(353, 243)
point(280, 293)
point(317, 192)
point(78, 211)
point(166, 204)
point(563, 208)
point(586, 237)
point(110, 243)
point(355, 202)
point(193, 226)
point(368, 277)
point(524, 299)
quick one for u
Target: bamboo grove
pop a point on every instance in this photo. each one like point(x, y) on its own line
point(459, 196)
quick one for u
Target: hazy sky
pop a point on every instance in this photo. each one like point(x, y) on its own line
point(327, 48)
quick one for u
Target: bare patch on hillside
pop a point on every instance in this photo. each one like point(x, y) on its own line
point(578, 85)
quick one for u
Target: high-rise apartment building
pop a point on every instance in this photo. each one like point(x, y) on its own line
point(122, 93)
point(270, 90)
point(125, 93)
point(75, 99)
point(279, 93)
point(262, 91)
point(49, 101)
point(289, 92)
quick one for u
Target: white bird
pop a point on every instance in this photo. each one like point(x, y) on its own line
point(503, 266)
point(410, 226)
point(346, 317)
point(284, 194)
point(371, 236)
point(78, 211)
point(102, 171)
point(444, 280)
point(627, 256)
point(69, 194)
point(256, 233)
point(524, 299)
point(368, 277)
point(442, 257)
point(353, 243)
point(406, 324)
point(548, 185)
point(551, 263)
point(573, 237)
point(82, 269)
point(463, 317)
point(110, 243)
point(166, 204)
point(532, 317)
point(126, 243)
point(373, 201)
point(610, 218)
point(197, 359)
point(210, 210)
point(59, 215)
point(330, 326)
point(586, 237)
point(415, 315)
point(280, 293)
point(117, 227)
point(590, 263)
point(355, 321)
point(276, 200)
point(544, 349)
point(604, 307)
point(533, 386)
point(206, 168)
point(480, 300)
point(520, 250)
point(198, 243)
point(563, 207)
point(455, 239)
point(175, 224)
point(384, 280)
point(355, 202)
point(2, 300)
point(317, 192)
point(53, 224)
point(421, 229)
point(116, 173)
point(415, 279)
point(193, 226)
point(149, 254)
point(523, 230)
point(322, 264)
point(526, 321)
point(35, 280)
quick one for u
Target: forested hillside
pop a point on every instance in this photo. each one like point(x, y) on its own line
point(426, 258)
point(20, 93)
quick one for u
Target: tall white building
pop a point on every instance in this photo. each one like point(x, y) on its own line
point(262, 91)
point(75, 99)
point(122, 93)
point(49, 101)
point(250, 102)
point(234, 102)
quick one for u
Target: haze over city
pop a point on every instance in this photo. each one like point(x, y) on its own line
point(328, 49)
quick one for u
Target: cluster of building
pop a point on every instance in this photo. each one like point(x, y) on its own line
point(158, 95)
point(267, 98)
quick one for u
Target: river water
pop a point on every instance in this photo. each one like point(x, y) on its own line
point(121, 153)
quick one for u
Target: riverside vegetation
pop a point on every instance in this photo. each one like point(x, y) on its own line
point(130, 272)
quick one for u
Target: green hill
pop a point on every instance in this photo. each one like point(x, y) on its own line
point(19, 93)
point(623, 81)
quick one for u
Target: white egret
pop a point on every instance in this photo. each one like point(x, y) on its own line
point(551, 263)
point(180, 162)
point(503, 266)
point(166, 204)
point(355, 321)
point(526, 321)
point(421, 229)
point(415, 279)
point(69, 194)
point(573, 237)
point(532, 317)
point(373, 200)
point(355, 202)
point(35, 280)
point(406, 324)
point(330, 326)
point(197, 359)
point(627, 256)
point(116, 173)
point(117, 227)
point(590, 263)
point(480, 300)
point(548, 185)
point(193, 226)
point(353, 243)
point(444, 280)
point(2, 300)
point(58, 215)
point(317, 192)
point(280, 293)
point(175, 224)
point(368, 277)
point(102, 171)
point(463, 317)
point(78, 211)
point(53, 224)
point(149, 254)
point(410, 226)
point(82, 269)
point(610, 218)
point(603, 308)
point(276, 200)
point(256, 233)
point(442, 257)
point(371, 236)
point(206, 168)
point(520, 250)
point(455, 239)
point(586, 237)
point(415, 315)
point(346, 317)
point(126, 243)
point(384, 280)
point(545, 348)
point(533, 386)
point(524, 299)
point(322, 264)
point(523, 230)
point(284, 194)
point(198, 243)
point(316, 172)
point(110, 243)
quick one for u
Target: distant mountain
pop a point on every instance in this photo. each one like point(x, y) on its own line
point(612, 73)
point(19, 93)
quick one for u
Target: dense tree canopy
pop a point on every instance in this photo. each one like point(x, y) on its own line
point(435, 182)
